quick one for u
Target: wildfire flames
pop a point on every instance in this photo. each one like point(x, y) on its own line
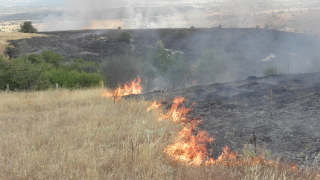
point(191, 145)
point(132, 87)
point(178, 111)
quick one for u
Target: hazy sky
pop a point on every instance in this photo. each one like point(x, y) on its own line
point(103, 2)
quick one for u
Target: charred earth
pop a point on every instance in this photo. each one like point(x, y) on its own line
point(282, 112)
point(246, 52)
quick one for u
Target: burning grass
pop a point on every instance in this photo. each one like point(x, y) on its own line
point(80, 135)
point(132, 87)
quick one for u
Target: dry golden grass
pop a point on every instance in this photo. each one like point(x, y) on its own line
point(80, 135)
point(6, 36)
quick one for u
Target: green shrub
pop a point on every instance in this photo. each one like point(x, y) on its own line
point(34, 59)
point(125, 36)
point(27, 27)
point(81, 66)
point(170, 65)
point(40, 72)
point(208, 67)
point(73, 79)
point(51, 57)
point(5, 73)
point(28, 76)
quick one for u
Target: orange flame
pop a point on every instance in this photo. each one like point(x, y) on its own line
point(132, 87)
point(178, 111)
point(154, 106)
point(190, 146)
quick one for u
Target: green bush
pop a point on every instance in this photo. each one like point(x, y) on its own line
point(51, 57)
point(27, 27)
point(28, 76)
point(81, 66)
point(35, 59)
point(40, 72)
point(73, 79)
point(208, 67)
point(125, 36)
point(5, 73)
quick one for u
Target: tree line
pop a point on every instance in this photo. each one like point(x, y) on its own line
point(158, 64)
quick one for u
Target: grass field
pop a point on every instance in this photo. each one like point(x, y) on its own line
point(80, 135)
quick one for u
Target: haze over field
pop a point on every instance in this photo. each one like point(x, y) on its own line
point(285, 15)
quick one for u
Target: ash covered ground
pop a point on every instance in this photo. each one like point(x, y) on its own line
point(232, 112)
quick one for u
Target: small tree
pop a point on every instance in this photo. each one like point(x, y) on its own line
point(27, 27)
point(161, 58)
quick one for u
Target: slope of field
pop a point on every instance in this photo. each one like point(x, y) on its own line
point(81, 135)
point(6, 36)
point(246, 52)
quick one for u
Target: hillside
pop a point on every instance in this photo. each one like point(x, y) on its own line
point(246, 52)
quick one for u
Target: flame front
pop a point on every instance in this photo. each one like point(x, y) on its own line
point(190, 146)
point(132, 87)
point(178, 111)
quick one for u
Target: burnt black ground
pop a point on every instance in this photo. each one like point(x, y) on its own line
point(242, 50)
point(233, 111)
